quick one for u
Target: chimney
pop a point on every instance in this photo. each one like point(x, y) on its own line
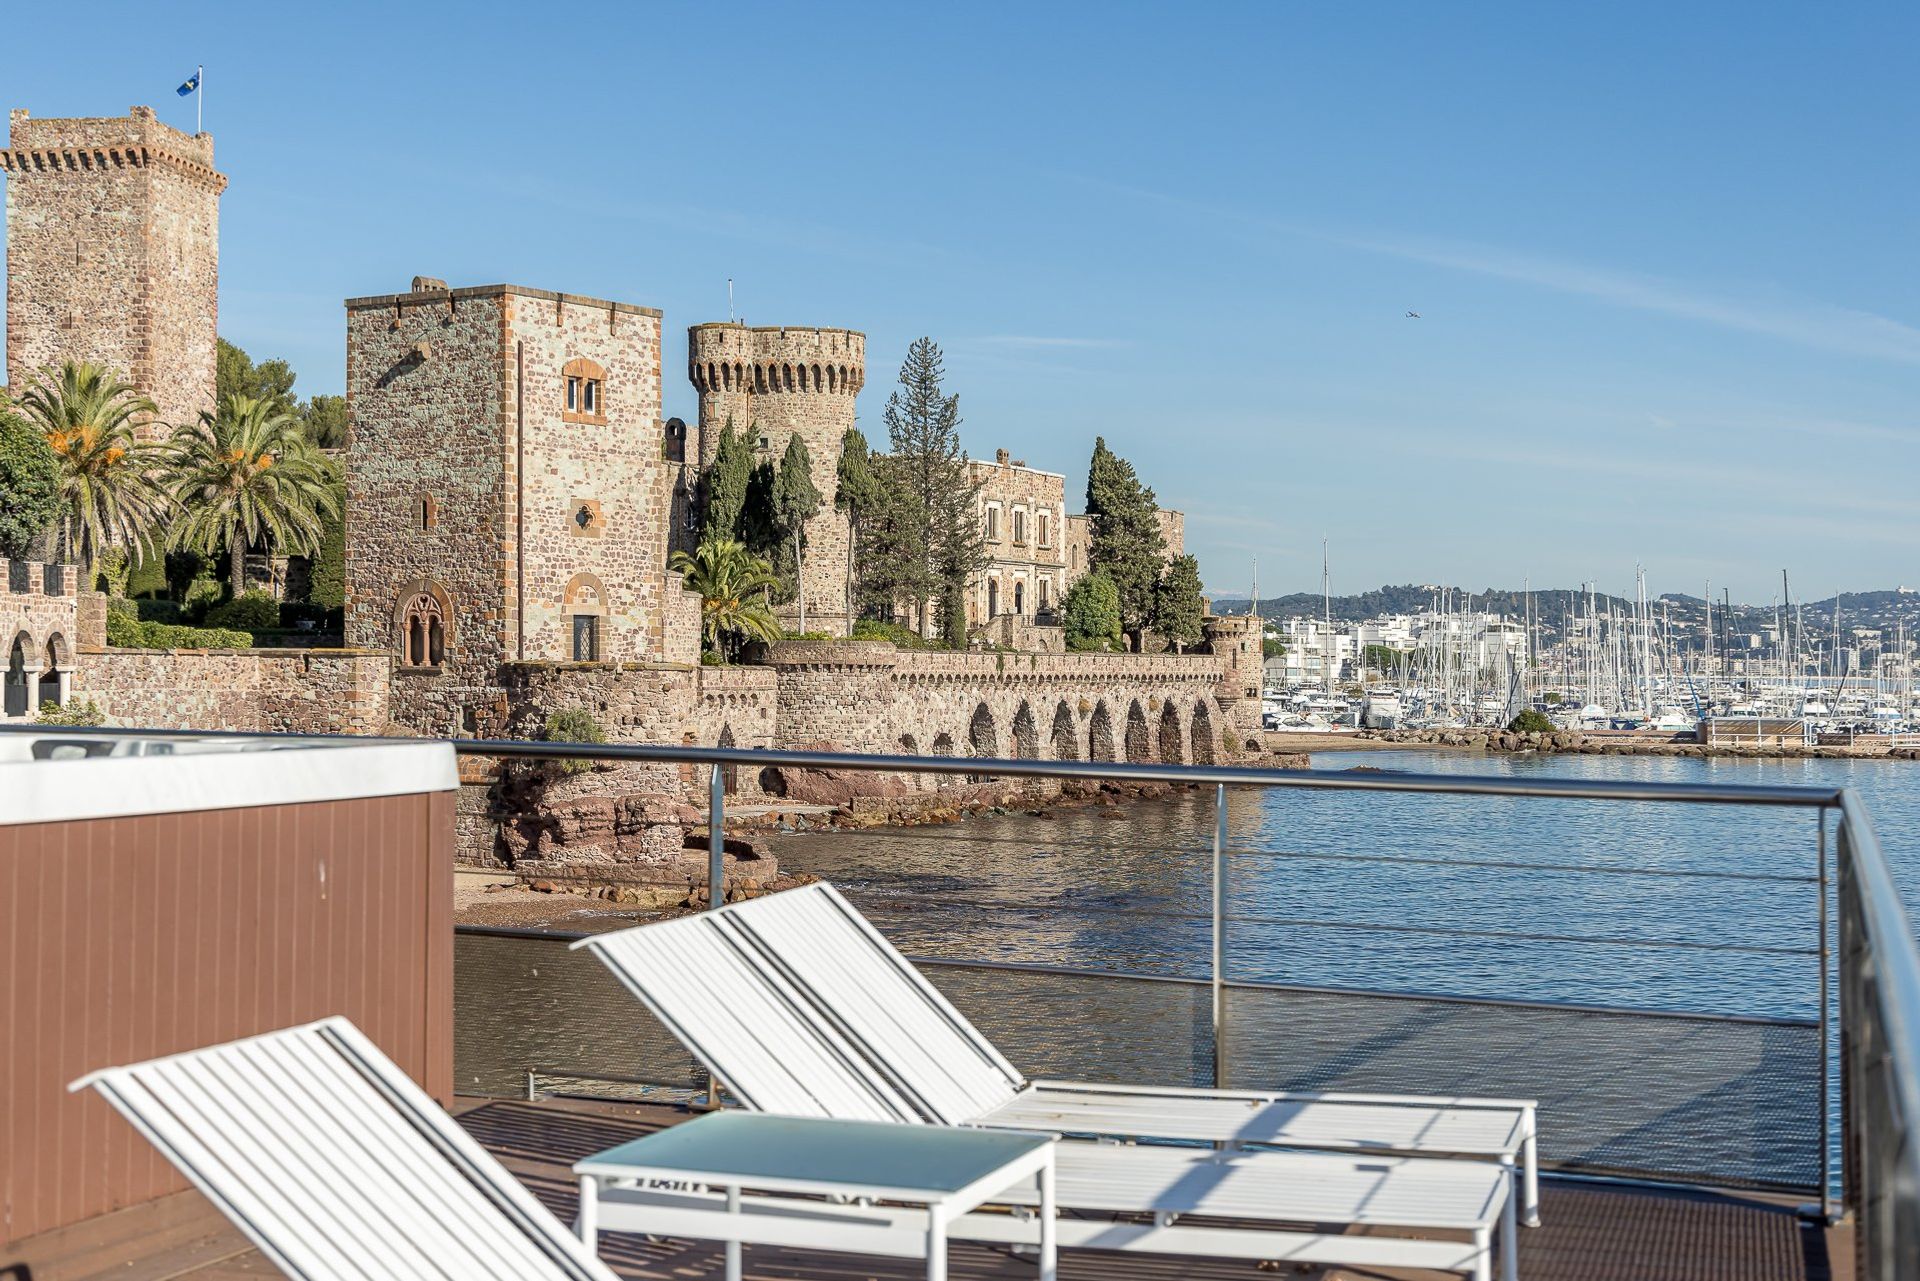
point(1001, 456)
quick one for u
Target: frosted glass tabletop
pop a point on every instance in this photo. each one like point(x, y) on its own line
point(926, 1162)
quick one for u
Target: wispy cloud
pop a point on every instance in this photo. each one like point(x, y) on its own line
point(1809, 324)
point(1818, 325)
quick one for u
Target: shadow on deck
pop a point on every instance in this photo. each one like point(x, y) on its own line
point(1592, 1232)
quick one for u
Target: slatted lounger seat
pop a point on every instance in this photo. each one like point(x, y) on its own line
point(336, 1165)
point(801, 1008)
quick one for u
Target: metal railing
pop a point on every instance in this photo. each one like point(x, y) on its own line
point(1710, 1073)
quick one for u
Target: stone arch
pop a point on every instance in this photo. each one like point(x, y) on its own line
point(833, 380)
point(1026, 734)
point(740, 375)
point(817, 384)
point(1139, 748)
point(726, 377)
point(1173, 751)
point(424, 630)
point(584, 610)
point(1066, 743)
point(729, 774)
point(943, 745)
point(1100, 734)
point(786, 377)
point(981, 736)
point(15, 681)
point(1201, 733)
point(759, 377)
point(58, 652)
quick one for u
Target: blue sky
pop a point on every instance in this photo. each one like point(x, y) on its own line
point(1664, 256)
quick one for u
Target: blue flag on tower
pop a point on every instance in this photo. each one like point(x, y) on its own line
point(193, 82)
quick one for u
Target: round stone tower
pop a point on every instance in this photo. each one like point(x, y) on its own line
point(774, 383)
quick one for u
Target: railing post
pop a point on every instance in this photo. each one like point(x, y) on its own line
point(1220, 937)
point(1826, 1098)
point(716, 841)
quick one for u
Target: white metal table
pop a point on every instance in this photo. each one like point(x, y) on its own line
point(747, 1177)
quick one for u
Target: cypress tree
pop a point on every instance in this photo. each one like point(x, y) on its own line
point(1091, 614)
point(1125, 541)
point(1178, 608)
point(725, 486)
point(796, 500)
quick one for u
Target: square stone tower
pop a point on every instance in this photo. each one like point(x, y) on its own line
point(508, 495)
point(113, 254)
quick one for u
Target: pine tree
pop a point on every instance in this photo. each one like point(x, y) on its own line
point(725, 486)
point(1177, 607)
point(1125, 541)
point(796, 500)
point(938, 527)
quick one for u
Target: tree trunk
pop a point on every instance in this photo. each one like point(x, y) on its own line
point(237, 565)
point(800, 580)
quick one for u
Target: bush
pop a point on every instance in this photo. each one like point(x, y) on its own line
point(252, 611)
point(127, 630)
point(201, 595)
point(712, 658)
point(1092, 614)
point(1530, 722)
point(327, 572)
point(148, 579)
point(872, 629)
point(159, 611)
point(80, 711)
point(573, 725)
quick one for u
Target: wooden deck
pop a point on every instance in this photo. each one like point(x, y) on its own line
point(1592, 1232)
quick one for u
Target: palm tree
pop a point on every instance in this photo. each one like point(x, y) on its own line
point(247, 474)
point(110, 483)
point(733, 584)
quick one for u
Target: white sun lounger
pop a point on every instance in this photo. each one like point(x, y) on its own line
point(789, 1010)
point(336, 1165)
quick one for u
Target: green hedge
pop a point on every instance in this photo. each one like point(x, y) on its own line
point(251, 611)
point(127, 630)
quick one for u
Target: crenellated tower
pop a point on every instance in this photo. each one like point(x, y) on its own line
point(113, 254)
point(774, 383)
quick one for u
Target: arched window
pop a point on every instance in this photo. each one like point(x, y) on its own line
point(426, 511)
point(585, 391)
point(993, 598)
point(423, 632)
point(1019, 597)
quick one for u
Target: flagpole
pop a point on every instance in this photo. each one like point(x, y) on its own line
point(199, 96)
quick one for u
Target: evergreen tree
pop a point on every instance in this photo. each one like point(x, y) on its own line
point(796, 500)
point(1091, 614)
point(235, 374)
point(1177, 606)
point(941, 543)
point(724, 487)
point(29, 486)
point(859, 491)
point(1125, 541)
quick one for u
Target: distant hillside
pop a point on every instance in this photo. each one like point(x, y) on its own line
point(1886, 610)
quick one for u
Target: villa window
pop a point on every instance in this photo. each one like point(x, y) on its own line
point(584, 386)
point(1045, 541)
point(1019, 529)
point(993, 524)
point(1019, 598)
point(586, 638)
point(423, 632)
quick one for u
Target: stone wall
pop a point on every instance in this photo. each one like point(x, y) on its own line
point(38, 635)
point(113, 254)
point(300, 691)
point(1024, 514)
point(773, 384)
point(870, 697)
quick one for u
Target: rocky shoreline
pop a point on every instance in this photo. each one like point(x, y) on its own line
point(1575, 743)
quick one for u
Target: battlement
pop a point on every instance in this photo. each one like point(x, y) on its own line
point(135, 140)
point(729, 356)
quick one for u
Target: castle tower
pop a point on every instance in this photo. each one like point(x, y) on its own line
point(113, 254)
point(773, 384)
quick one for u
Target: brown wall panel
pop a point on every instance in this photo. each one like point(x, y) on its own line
point(128, 938)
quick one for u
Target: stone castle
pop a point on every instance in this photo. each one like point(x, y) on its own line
point(514, 494)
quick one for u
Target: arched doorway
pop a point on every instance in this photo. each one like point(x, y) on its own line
point(1066, 744)
point(53, 669)
point(1026, 734)
point(1138, 748)
point(1100, 734)
point(729, 774)
point(15, 701)
point(1202, 734)
point(1173, 750)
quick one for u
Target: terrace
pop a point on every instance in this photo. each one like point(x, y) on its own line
point(1676, 1142)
